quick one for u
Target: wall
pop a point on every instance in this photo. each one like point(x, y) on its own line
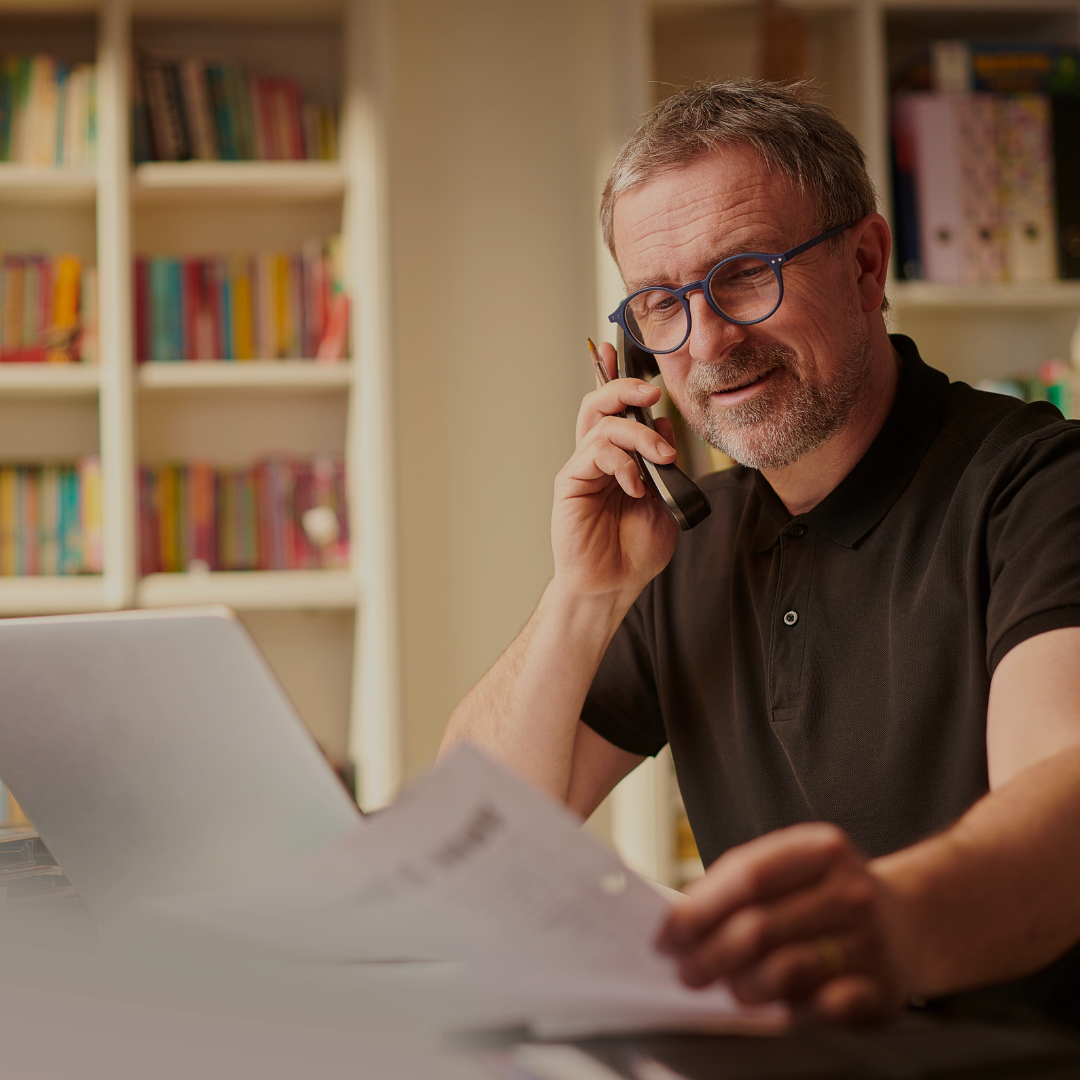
point(502, 114)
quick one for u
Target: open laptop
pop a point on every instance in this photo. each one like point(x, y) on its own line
point(156, 754)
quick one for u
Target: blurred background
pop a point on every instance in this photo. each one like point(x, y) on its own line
point(295, 296)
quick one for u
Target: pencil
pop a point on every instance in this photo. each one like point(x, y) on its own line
point(601, 371)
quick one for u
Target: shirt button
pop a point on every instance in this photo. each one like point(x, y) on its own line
point(791, 618)
point(797, 531)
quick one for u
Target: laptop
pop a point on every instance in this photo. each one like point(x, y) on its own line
point(156, 754)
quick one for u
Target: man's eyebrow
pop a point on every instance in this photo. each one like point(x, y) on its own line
point(765, 245)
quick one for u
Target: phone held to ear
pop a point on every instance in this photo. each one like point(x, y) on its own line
point(677, 493)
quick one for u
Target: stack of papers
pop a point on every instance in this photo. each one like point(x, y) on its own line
point(27, 869)
point(474, 866)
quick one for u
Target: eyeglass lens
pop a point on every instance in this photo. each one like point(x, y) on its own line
point(745, 289)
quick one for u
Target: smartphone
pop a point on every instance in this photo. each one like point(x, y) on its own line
point(678, 494)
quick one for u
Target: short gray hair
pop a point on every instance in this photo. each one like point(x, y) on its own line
point(782, 122)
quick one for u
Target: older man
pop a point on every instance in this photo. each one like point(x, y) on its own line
point(867, 660)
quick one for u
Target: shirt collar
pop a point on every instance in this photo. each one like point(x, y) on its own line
point(867, 493)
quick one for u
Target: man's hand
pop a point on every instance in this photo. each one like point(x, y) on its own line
point(608, 534)
point(796, 915)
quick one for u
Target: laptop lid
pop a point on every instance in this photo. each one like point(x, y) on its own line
point(155, 753)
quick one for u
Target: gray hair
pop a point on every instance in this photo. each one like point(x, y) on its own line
point(792, 132)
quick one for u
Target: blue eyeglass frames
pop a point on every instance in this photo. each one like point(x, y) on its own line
point(744, 289)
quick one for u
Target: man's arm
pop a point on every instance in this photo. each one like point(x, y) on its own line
point(799, 914)
point(609, 540)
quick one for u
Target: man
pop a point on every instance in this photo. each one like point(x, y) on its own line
point(867, 660)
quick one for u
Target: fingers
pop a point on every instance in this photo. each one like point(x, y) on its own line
point(814, 917)
point(752, 873)
point(612, 399)
point(605, 452)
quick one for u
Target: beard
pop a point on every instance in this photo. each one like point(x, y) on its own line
point(786, 420)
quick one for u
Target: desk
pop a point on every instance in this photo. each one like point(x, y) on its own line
point(910, 1048)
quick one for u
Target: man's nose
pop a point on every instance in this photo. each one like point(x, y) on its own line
point(711, 335)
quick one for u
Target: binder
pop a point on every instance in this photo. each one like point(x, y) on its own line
point(1024, 143)
point(935, 127)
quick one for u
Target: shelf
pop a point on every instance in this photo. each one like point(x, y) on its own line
point(49, 380)
point(239, 179)
point(45, 184)
point(51, 595)
point(1048, 295)
point(243, 374)
point(256, 590)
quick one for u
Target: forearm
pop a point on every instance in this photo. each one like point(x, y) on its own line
point(525, 710)
point(997, 895)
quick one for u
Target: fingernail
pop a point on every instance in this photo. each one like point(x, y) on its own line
point(663, 448)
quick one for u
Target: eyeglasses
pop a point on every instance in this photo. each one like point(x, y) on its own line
point(744, 289)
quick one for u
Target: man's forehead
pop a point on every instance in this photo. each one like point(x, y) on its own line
point(727, 198)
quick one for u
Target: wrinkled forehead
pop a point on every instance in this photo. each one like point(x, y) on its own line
point(721, 203)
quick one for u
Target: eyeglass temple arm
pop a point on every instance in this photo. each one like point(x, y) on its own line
point(816, 240)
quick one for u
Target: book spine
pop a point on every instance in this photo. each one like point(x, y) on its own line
point(50, 521)
point(141, 285)
point(90, 486)
point(9, 520)
point(197, 109)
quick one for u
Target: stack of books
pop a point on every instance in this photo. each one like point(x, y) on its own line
point(50, 519)
point(187, 108)
point(267, 306)
point(48, 309)
point(986, 164)
point(279, 514)
point(48, 114)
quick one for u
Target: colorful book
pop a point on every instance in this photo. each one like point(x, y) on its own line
point(187, 108)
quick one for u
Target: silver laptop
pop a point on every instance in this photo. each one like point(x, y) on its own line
point(156, 754)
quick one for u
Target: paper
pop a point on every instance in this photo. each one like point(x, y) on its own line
point(473, 865)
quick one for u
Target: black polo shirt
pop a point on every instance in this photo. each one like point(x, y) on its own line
point(836, 666)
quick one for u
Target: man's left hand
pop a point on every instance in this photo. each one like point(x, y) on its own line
point(796, 915)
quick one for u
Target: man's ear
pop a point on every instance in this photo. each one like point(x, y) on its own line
point(872, 242)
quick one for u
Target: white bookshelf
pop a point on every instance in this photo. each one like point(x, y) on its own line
point(289, 375)
point(228, 412)
point(970, 332)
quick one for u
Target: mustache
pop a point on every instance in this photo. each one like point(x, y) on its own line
point(744, 362)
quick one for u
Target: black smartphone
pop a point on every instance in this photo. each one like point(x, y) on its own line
point(678, 494)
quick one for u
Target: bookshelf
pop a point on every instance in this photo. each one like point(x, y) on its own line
point(849, 48)
point(341, 623)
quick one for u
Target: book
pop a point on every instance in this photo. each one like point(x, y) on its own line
point(188, 108)
point(50, 519)
point(267, 306)
point(196, 516)
point(48, 309)
point(47, 112)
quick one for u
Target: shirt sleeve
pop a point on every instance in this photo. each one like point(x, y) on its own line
point(623, 704)
point(1034, 543)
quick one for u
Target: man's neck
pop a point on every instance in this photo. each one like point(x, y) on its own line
point(804, 484)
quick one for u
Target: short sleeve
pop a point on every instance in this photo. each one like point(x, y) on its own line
point(622, 704)
point(1033, 539)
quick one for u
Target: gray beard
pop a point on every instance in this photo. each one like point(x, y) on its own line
point(788, 419)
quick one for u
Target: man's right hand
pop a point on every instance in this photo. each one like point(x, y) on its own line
point(608, 533)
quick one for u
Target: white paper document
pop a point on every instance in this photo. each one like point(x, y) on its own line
point(473, 865)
